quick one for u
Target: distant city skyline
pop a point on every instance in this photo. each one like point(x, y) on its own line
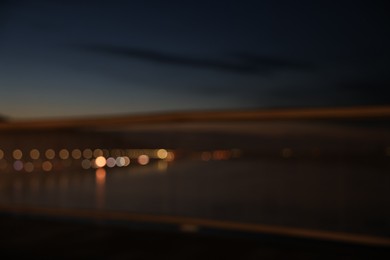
point(91, 58)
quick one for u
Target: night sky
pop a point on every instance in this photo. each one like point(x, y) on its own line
point(81, 58)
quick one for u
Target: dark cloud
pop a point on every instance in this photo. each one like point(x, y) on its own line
point(344, 93)
point(270, 63)
point(244, 63)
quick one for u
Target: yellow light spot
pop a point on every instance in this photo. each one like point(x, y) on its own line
point(1, 154)
point(100, 161)
point(50, 154)
point(87, 153)
point(76, 154)
point(162, 153)
point(97, 153)
point(47, 166)
point(64, 154)
point(143, 159)
point(34, 154)
point(17, 154)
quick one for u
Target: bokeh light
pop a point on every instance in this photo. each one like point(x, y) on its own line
point(29, 167)
point(87, 153)
point(18, 165)
point(120, 161)
point(127, 160)
point(170, 157)
point(100, 161)
point(162, 153)
point(63, 154)
point(86, 164)
point(76, 154)
point(143, 159)
point(17, 154)
point(50, 154)
point(111, 162)
point(47, 166)
point(34, 154)
point(97, 153)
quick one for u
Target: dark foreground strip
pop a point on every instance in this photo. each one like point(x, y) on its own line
point(194, 224)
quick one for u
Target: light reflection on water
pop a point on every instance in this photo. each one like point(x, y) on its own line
point(314, 194)
point(100, 187)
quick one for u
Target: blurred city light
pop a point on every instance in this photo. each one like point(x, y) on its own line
point(100, 161)
point(64, 154)
point(50, 154)
point(34, 154)
point(17, 154)
point(143, 159)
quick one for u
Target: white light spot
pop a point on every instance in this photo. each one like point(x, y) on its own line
point(111, 162)
point(120, 162)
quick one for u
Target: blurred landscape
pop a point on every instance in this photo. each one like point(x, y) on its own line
point(194, 129)
point(320, 179)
